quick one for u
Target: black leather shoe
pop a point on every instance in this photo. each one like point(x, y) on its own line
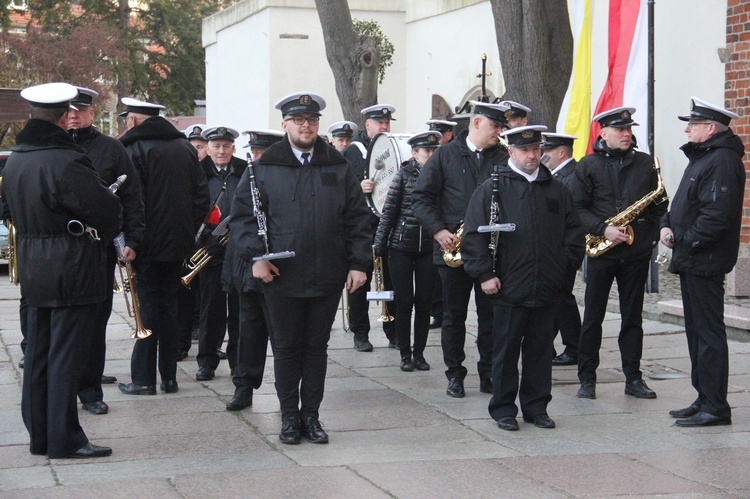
point(290, 430)
point(420, 364)
point(540, 421)
point(20, 362)
point(507, 423)
point(133, 389)
point(240, 400)
point(392, 344)
point(485, 385)
point(407, 364)
point(362, 344)
point(204, 374)
point(314, 431)
point(96, 407)
point(222, 355)
point(169, 386)
point(181, 355)
point(456, 388)
point(564, 359)
point(436, 322)
point(108, 380)
point(587, 390)
point(691, 410)
point(704, 419)
point(91, 450)
point(639, 389)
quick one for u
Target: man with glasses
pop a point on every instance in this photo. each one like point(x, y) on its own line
point(314, 208)
point(608, 181)
point(703, 230)
point(443, 190)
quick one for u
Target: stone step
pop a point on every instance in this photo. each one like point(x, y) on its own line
point(734, 317)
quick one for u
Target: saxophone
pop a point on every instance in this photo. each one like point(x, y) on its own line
point(452, 258)
point(598, 245)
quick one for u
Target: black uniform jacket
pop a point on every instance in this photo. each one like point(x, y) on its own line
point(174, 188)
point(399, 228)
point(609, 181)
point(706, 212)
point(565, 174)
point(110, 160)
point(235, 170)
point(446, 185)
point(547, 245)
point(47, 182)
point(318, 211)
point(354, 156)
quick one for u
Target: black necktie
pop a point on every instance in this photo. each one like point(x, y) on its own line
point(305, 158)
point(223, 174)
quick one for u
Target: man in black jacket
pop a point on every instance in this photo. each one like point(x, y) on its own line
point(558, 158)
point(108, 156)
point(703, 230)
point(219, 309)
point(313, 207)
point(608, 181)
point(440, 198)
point(526, 274)
point(377, 120)
point(48, 185)
point(175, 195)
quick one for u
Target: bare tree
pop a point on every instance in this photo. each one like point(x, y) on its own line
point(536, 52)
point(354, 59)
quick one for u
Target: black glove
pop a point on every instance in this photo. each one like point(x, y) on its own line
point(213, 248)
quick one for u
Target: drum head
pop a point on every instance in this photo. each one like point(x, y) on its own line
point(387, 152)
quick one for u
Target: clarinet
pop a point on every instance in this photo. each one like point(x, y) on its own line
point(494, 216)
point(260, 216)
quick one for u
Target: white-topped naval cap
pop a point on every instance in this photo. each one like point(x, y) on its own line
point(524, 135)
point(50, 95)
point(220, 133)
point(379, 112)
point(516, 108)
point(301, 102)
point(140, 107)
point(343, 129)
point(702, 110)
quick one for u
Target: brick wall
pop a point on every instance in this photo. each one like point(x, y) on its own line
point(737, 89)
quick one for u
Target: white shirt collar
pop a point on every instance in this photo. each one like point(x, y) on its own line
point(472, 147)
point(530, 177)
point(561, 165)
point(298, 154)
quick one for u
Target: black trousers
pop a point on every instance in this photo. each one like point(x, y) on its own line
point(57, 341)
point(703, 303)
point(436, 305)
point(90, 388)
point(631, 281)
point(412, 275)
point(568, 320)
point(301, 330)
point(359, 307)
point(253, 342)
point(528, 332)
point(158, 283)
point(457, 286)
point(220, 313)
point(188, 306)
point(22, 308)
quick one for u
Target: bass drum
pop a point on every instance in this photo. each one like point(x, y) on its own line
point(387, 152)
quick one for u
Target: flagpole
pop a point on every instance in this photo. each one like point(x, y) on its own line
point(654, 268)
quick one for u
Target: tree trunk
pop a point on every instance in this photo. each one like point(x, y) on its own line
point(535, 44)
point(353, 59)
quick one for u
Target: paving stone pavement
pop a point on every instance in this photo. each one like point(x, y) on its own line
point(393, 434)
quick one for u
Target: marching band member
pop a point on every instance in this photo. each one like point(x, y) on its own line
point(409, 250)
point(342, 133)
point(312, 206)
point(175, 195)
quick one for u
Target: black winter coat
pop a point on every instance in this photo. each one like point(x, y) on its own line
point(706, 213)
point(446, 185)
point(399, 228)
point(532, 262)
point(48, 181)
point(318, 211)
point(607, 182)
point(110, 160)
point(235, 170)
point(174, 189)
point(566, 174)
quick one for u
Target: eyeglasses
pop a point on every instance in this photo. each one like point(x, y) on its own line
point(693, 124)
point(300, 120)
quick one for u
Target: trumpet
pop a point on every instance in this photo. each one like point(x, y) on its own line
point(201, 257)
point(11, 254)
point(380, 294)
point(131, 295)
